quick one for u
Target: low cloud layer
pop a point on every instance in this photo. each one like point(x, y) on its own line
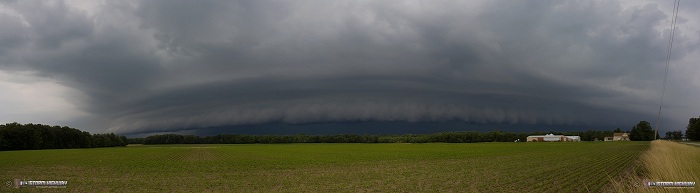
point(155, 66)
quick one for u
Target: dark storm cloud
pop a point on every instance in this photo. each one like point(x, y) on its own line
point(169, 65)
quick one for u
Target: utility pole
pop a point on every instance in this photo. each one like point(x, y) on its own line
point(676, 5)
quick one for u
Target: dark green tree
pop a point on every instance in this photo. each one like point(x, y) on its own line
point(3, 143)
point(15, 136)
point(674, 135)
point(642, 132)
point(692, 132)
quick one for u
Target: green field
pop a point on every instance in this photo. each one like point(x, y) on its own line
point(470, 167)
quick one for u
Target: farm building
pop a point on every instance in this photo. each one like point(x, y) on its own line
point(552, 137)
point(618, 137)
point(573, 138)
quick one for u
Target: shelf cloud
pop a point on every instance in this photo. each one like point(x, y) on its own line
point(159, 66)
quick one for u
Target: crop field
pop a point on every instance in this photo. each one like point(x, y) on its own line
point(466, 167)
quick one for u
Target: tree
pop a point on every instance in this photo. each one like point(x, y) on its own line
point(674, 135)
point(3, 143)
point(15, 136)
point(692, 132)
point(618, 130)
point(642, 132)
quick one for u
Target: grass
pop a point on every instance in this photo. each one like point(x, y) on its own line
point(665, 161)
point(433, 167)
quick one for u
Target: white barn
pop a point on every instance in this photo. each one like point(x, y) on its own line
point(551, 137)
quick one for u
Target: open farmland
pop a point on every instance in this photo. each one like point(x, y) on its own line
point(472, 167)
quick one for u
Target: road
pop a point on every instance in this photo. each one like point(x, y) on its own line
point(697, 144)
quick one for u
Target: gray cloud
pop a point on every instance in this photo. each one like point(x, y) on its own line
point(169, 65)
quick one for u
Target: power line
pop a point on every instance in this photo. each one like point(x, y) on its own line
point(676, 4)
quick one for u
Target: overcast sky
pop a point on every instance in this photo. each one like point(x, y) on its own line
point(147, 66)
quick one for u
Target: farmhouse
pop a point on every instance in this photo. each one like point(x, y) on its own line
point(552, 137)
point(618, 137)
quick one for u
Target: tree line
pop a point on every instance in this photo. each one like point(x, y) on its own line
point(445, 137)
point(642, 131)
point(15, 136)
